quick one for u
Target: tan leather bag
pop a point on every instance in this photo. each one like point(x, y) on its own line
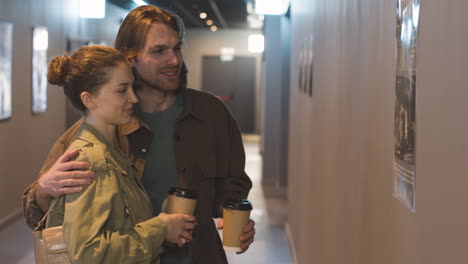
point(49, 246)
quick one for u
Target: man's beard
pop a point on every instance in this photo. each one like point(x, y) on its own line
point(139, 82)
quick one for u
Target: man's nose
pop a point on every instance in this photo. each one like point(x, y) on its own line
point(174, 58)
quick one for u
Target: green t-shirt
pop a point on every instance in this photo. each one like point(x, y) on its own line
point(160, 172)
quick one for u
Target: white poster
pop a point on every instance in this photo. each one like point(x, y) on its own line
point(6, 40)
point(306, 67)
point(39, 69)
point(404, 169)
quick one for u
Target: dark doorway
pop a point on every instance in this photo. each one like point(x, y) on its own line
point(234, 83)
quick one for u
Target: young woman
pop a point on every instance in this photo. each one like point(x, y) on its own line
point(110, 220)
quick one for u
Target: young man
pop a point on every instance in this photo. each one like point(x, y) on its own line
point(179, 137)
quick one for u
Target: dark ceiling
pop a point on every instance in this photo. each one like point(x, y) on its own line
point(224, 13)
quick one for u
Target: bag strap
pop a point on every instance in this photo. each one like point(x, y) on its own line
point(42, 223)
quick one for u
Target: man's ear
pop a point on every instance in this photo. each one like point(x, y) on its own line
point(88, 100)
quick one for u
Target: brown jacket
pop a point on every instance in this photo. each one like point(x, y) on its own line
point(210, 159)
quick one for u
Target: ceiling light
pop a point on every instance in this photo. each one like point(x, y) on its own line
point(272, 7)
point(209, 22)
point(92, 8)
point(203, 15)
point(256, 43)
point(214, 28)
point(140, 2)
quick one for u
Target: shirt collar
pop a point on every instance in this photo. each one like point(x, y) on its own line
point(190, 98)
point(132, 126)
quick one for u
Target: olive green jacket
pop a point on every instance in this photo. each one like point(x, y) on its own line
point(110, 221)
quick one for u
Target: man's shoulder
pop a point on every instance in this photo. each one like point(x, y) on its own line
point(202, 97)
point(205, 106)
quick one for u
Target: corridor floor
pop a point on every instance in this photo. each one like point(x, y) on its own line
point(270, 207)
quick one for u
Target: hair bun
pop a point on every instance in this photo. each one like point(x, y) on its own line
point(59, 69)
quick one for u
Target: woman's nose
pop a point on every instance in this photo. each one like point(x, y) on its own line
point(132, 97)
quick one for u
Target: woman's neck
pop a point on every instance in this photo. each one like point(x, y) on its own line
point(107, 130)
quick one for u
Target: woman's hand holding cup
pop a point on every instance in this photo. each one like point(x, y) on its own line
point(179, 227)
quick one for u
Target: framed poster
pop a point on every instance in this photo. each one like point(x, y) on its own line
point(6, 44)
point(404, 165)
point(310, 64)
point(306, 65)
point(39, 69)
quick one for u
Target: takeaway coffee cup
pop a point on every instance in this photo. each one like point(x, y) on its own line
point(236, 215)
point(181, 201)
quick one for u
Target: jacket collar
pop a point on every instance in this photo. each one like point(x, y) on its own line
point(132, 126)
point(190, 98)
point(91, 135)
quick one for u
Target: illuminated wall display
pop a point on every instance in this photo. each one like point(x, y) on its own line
point(39, 69)
point(6, 42)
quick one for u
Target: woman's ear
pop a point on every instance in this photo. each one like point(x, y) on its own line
point(88, 100)
point(132, 61)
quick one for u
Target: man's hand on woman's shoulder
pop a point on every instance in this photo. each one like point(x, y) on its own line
point(64, 177)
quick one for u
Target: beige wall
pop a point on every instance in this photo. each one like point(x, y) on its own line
point(25, 139)
point(202, 42)
point(341, 139)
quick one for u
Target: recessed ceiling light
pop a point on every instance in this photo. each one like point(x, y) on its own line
point(214, 28)
point(203, 15)
point(209, 22)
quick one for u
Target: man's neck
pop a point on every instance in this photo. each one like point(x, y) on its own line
point(154, 101)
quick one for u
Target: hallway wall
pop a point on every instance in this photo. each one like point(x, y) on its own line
point(341, 209)
point(25, 139)
point(276, 101)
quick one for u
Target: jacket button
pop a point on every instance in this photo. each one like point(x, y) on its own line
point(182, 170)
point(143, 150)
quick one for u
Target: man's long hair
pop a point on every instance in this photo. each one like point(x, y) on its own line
point(134, 29)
